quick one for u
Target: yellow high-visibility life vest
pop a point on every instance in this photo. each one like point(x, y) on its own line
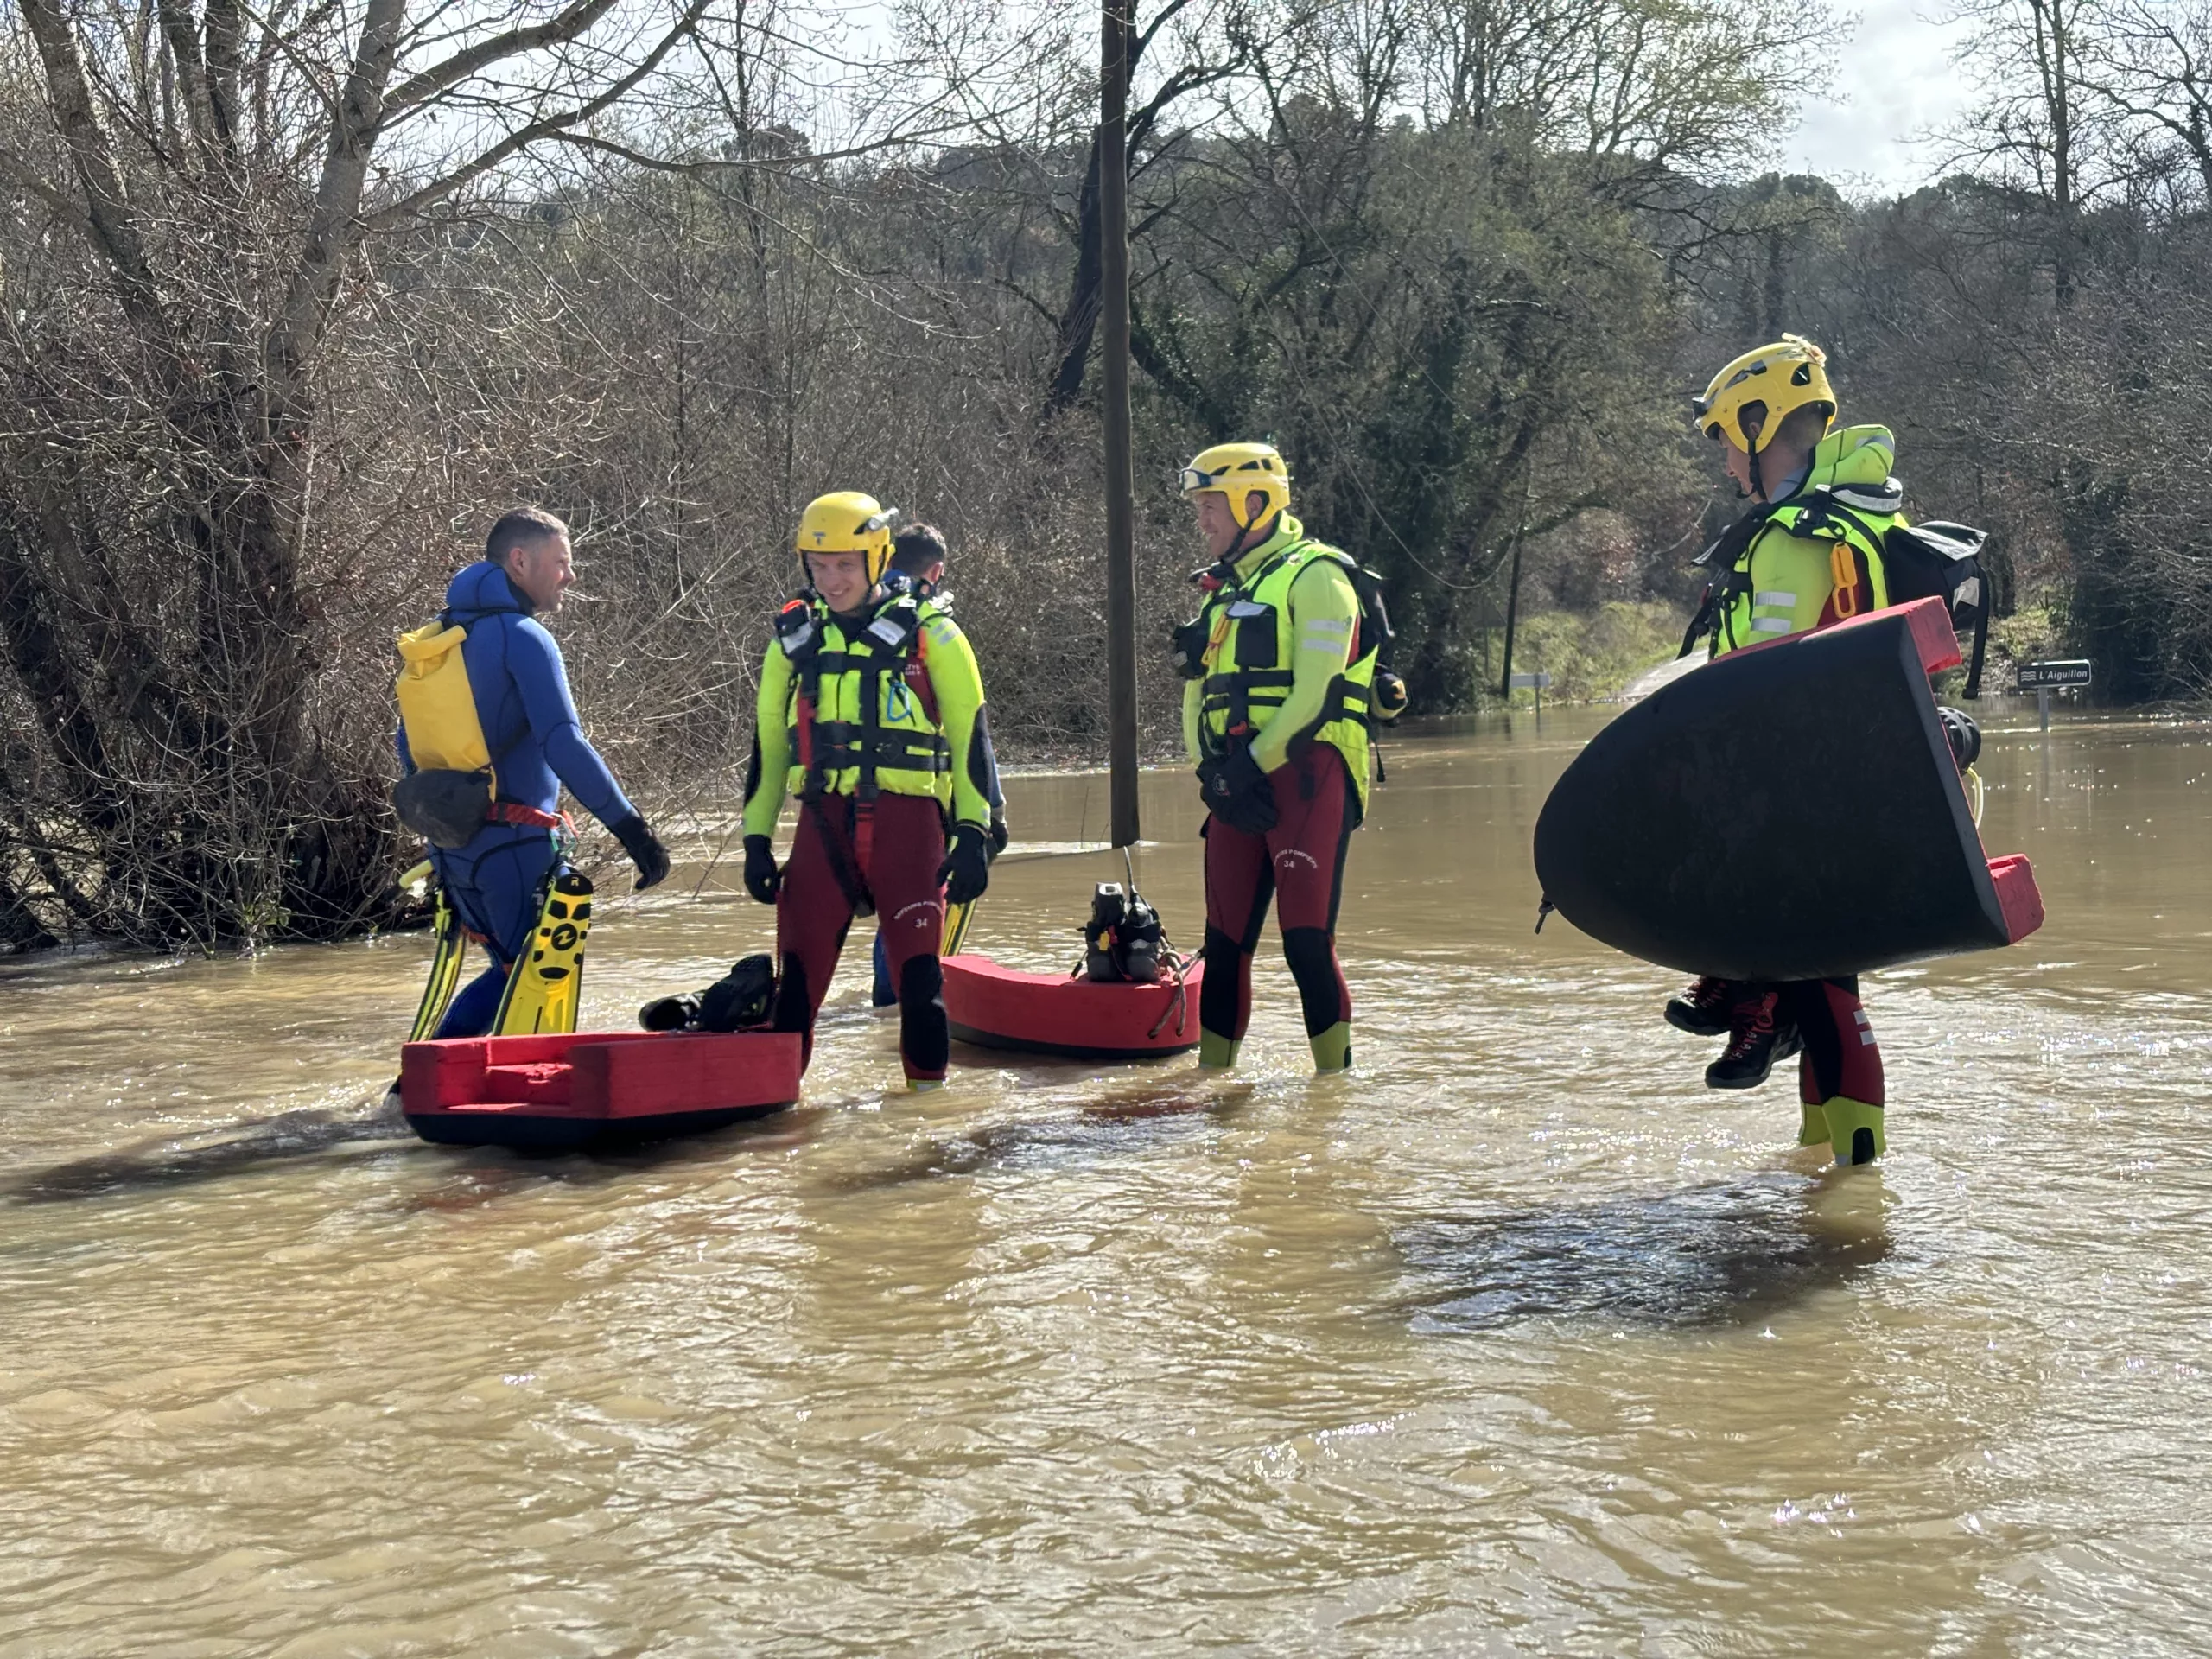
point(862, 717)
point(1247, 664)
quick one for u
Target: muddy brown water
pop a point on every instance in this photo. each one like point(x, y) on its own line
point(1516, 1341)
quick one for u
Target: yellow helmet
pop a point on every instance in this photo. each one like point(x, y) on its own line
point(846, 521)
point(1769, 382)
point(1236, 470)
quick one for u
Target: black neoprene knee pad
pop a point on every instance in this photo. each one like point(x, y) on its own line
point(793, 1010)
point(1313, 961)
point(1218, 990)
point(924, 1036)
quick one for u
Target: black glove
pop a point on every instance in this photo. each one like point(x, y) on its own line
point(644, 849)
point(1237, 792)
point(967, 867)
point(999, 834)
point(762, 879)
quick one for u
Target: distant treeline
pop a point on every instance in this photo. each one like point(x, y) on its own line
point(295, 303)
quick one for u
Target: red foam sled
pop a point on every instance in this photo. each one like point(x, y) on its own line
point(2017, 898)
point(592, 1088)
point(1000, 1007)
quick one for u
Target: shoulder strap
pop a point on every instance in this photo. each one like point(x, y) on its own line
point(1733, 543)
point(1269, 568)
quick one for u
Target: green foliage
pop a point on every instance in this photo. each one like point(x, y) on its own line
point(1456, 339)
point(1590, 656)
point(2029, 635)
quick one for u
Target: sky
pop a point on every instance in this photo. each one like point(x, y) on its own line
point(1893, 84)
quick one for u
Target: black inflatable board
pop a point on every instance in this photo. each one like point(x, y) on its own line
point(1790, 811)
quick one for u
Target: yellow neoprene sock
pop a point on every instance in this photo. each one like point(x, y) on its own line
point(1813, 1126)
point(1854, 1130)
point(1332, 1049)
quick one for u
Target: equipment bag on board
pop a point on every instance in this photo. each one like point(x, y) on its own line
point(740, 1001)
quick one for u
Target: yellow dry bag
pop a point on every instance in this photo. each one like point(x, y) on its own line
point(446, 798)
point(435, 703)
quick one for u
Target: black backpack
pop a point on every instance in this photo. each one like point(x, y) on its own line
point(1942, 561)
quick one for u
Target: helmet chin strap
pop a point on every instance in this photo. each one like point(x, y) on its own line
point(1240, 547)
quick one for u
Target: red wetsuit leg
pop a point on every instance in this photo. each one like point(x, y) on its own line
point(1840, 1056)
point(908, 851)
point(1840, 1074)
point(812, 916)
point(1240, 881)
point(1316, 812)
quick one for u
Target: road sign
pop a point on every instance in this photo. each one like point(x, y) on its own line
point(1535, 682)
point(2040, 676)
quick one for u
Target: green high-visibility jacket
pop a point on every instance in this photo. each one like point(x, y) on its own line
point(1810, 566)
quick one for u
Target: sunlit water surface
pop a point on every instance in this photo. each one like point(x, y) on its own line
point(1518, 1340)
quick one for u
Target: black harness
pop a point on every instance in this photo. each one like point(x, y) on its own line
point(886, 645)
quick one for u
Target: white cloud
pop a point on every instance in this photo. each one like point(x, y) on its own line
point(1892, 85)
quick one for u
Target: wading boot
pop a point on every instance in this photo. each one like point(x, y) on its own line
point(1756, 1044)
point(1703, 1008)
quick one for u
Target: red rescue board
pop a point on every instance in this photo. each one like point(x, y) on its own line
point(592, 1088)
point(1000, 1007)
point(1789, 811)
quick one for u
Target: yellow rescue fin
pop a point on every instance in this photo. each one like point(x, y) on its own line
point(450, 946)
point(957, 917)
point(547, 984)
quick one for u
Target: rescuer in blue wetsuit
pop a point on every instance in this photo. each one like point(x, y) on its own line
point(497, 882)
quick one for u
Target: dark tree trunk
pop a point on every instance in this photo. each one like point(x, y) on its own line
point(1079, 318)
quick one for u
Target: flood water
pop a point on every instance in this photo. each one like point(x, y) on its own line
point(1517, 1340)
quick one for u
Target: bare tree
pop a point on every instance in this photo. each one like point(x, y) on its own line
point(203, 180)
point(2151, 66)
point(2036, 130)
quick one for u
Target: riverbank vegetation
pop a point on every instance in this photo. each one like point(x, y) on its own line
point(292, 302)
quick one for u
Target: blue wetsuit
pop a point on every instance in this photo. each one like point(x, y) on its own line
point(497, 882)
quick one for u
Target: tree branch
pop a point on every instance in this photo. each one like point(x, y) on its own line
point(551, 127)
point(334, 223)
point(557, 31)
point(107, 209)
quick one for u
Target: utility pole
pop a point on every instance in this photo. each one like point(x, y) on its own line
point(1120, 505)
